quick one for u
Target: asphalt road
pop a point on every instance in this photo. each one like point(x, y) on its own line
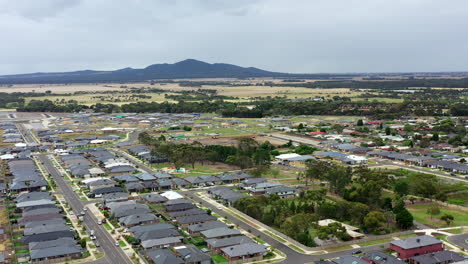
point(292, 257)
point(28, 138)
point(459, 240)
point(113, 254)
point(130, 158)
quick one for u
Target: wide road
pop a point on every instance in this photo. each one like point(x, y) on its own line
point(459, 240)
point(113, 254)
point(292, 257)
point(138, 164)
point(28, 138)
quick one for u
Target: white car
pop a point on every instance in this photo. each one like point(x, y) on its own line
point(99, 222)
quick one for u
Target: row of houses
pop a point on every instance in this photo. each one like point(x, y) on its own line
point(38, 221)
point(218, 237)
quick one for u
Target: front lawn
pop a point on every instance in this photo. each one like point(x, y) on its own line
point(107, 226)
point(219, 259)
point(122, 244)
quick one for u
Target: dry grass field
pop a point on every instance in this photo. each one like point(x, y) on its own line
point(243, 93)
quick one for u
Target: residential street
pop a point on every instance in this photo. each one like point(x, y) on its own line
point(459, 240)
point(113, 254)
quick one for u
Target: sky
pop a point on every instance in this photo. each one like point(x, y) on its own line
point(295, 36)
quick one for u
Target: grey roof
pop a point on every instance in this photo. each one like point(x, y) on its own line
point(154, 198)
point(180, 207)
point(47, 236)
point(45, 228)
point(382, 258)
point(220, 232)
point(445, 256)
point(163, 256)
point(191, 254)
point(160, 241)
point(230, 241)
point(54, 251)
point(192, 219)
point(151, 227)
point(108, 190)
point(137, 219)
point(63, 241)
point(206, 226)
point(194, 211)
point(348, 259)
point(33, 196)
point(244, 249)
point(157, 234)
point(418, 241)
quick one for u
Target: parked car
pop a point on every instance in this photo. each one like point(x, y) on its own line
point(99, 222)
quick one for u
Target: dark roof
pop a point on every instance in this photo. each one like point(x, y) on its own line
point(163, 256)
point(54, 251)
point(230, 241)
point(382, 258)
point(414, 242)
point(244, 249)
point(196, 219)
point(191, 254)
point(438, 257)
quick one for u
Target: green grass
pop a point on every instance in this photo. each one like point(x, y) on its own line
point(259, 240)
point(22, 251)
point(375, 242)
point(107, 226)
point(407, 236)
point(122, 244)
point(420, 215)
point(280, 239)
point(296, 248)
point(340, 248)
point(455, 231)
point(219, 259)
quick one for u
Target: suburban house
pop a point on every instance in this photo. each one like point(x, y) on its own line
point(415, 246)
point(248, 251)
point(378, 257)
point(440, 257)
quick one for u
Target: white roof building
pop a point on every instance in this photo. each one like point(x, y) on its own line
point(171, 195)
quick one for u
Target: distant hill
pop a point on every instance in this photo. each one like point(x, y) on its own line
point(189, 68)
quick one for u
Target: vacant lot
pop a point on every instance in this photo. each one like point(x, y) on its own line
point(419, 212)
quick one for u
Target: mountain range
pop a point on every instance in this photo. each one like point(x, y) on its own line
point(185, 69)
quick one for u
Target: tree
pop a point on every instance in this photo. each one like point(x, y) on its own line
point(401, 187)
point(360, 122)
point(357, 212)
point(435, 137)
point(433, 210)
point(374, 220)
point(404, 219)
point(447, 218)
point(388, 131)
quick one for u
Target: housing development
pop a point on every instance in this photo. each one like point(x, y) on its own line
point(201, 188)
point(233, 132)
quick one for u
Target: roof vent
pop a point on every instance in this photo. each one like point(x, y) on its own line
point(418, 240)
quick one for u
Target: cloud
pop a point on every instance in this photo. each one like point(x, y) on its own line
point(279, 35)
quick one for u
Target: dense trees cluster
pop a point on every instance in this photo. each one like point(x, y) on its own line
point(247, 154)
point(261, 108)
point(355, 197)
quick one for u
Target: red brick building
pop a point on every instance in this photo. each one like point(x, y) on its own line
point(415, 246)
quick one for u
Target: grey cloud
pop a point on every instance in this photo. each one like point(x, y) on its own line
point(279, 35)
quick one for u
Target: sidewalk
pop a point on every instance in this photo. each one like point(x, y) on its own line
point(117, 236)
